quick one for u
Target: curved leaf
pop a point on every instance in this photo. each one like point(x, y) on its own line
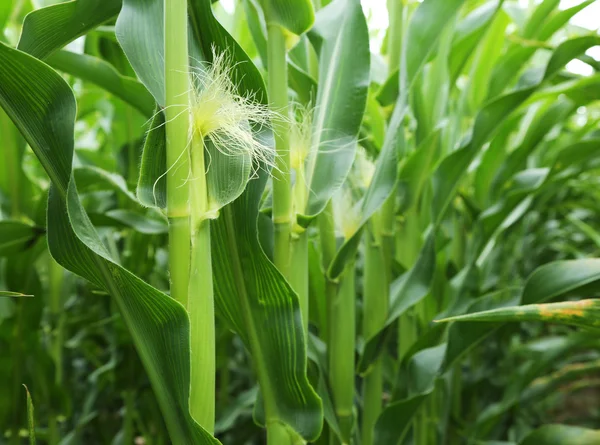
point(140, 31)
point(394, 421)
point(47, 29)
point(42, 106)
point(546, 282)
point(103, 74)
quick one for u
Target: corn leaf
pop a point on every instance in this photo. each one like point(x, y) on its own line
point(395, 420)
point(562, 435)
point(44, 112)
point(297, 16)
point(48, 29)
point(104, 75)
point(452, 168)
point(16, 236)
point(6, 293)
point(422, 38)
point(546, 282)
point(341, 37)
point(582, 313)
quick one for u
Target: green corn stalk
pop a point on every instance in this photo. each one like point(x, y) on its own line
point(282, 183)
point(187, 206)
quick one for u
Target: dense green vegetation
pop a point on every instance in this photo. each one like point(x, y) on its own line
point(257, 227)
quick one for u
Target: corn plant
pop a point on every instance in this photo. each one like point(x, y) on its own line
point(259, 225)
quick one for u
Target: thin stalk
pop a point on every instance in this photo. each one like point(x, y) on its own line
point(328, 250)
point(386, 234)
point(299, 243)
point(341, 356)
point(408, 242)
point(177, 85)
point(407, 333)
point(282, 184)
point(200, 302)
point(189, 232)
point(376, 297)
point(299, 278)
point(395, 11)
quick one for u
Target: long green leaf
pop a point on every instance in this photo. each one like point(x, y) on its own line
point(105, 76)
point(582, 313)
point(547, 282)
point(47, 29)
point(6, 293)
point(341, 37)
point(42, 106)
point(428, 20)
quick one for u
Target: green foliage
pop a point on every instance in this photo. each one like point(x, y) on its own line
point(354, 245)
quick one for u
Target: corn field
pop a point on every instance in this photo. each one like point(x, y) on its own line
point(285, 222)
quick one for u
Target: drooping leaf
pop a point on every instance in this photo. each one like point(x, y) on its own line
point(48, 29)
point(549, 281)
point(140, 31)
point(582, 313)
point(42, 106)
point(542, 28)
point(395, 420)
point(453, 167)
